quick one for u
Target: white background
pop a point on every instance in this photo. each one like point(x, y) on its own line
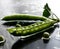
point(7, 6)
point(55, 6)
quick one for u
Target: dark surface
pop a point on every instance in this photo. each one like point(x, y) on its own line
point(33, 42)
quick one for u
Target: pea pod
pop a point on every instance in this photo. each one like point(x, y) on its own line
point(24, 17)
point(33, 28)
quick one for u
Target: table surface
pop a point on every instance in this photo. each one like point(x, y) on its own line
point(34, 42)
point(13, 42)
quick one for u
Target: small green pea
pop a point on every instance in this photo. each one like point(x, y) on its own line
point(32, 30)
point(24, 31)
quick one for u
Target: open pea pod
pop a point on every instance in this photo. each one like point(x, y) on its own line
point(31, 29)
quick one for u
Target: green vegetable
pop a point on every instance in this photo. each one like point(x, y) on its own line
point(46, 35)
point(46, 11)
point(33, 28)
point(1, 39)
point(24, 17)
point(18, 25)
point(47, 7)
point(12, 30)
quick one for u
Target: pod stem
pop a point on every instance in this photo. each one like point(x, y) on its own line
point(54, 15)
